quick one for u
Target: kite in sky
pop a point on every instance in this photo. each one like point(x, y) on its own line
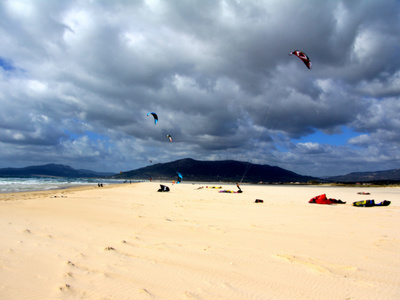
point(303, 57)
point(169, 137)
point(154, 115)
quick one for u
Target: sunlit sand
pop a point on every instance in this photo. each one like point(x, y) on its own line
point(131, 242)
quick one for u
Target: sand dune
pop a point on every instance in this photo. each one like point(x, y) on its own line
point(131, 242)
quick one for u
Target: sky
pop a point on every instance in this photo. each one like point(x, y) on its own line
point(78, 79)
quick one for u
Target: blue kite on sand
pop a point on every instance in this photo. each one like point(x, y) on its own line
point(369, 203)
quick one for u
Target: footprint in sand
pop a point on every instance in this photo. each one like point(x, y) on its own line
point(146, 292)
point(190, 295)
point(391, 245)
point(317, 265)
point(70, 263)
point(65, 287)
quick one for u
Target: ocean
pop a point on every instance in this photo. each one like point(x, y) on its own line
point(15, 184)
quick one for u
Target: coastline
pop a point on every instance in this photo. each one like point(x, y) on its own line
point(25, 195)
point(26, 184)
point(128, 241)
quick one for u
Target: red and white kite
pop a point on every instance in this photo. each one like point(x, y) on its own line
point(303, 57)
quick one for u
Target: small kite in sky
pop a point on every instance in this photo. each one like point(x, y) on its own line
point(169, 137)
point(303, 57)
point(154, 115)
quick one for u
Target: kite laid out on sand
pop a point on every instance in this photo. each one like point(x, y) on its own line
point(369, 203)
point(363, 193)
point(321, 199)
point(154, 116)
point(303, 57)
point(229, 191)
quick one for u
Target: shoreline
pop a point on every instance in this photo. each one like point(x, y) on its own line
point(18, 184)
point(7, 196)
point(361, 186)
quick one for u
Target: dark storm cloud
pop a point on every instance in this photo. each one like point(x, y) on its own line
point(217, 73)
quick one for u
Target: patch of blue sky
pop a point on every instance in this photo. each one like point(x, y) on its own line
point(338, 139)
point(93, 136)
point(319, 137)
point(6, 65)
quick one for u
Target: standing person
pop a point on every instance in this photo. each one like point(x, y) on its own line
point(239, 189)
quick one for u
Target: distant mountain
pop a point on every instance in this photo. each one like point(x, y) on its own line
point(390, 175)
point(226, 170)
point(56, 170)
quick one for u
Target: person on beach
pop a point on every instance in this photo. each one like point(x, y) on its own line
point(239, 189)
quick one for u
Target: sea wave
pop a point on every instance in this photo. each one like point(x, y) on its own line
point(15, 184)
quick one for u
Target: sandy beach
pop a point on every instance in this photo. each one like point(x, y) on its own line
point(130, 242)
